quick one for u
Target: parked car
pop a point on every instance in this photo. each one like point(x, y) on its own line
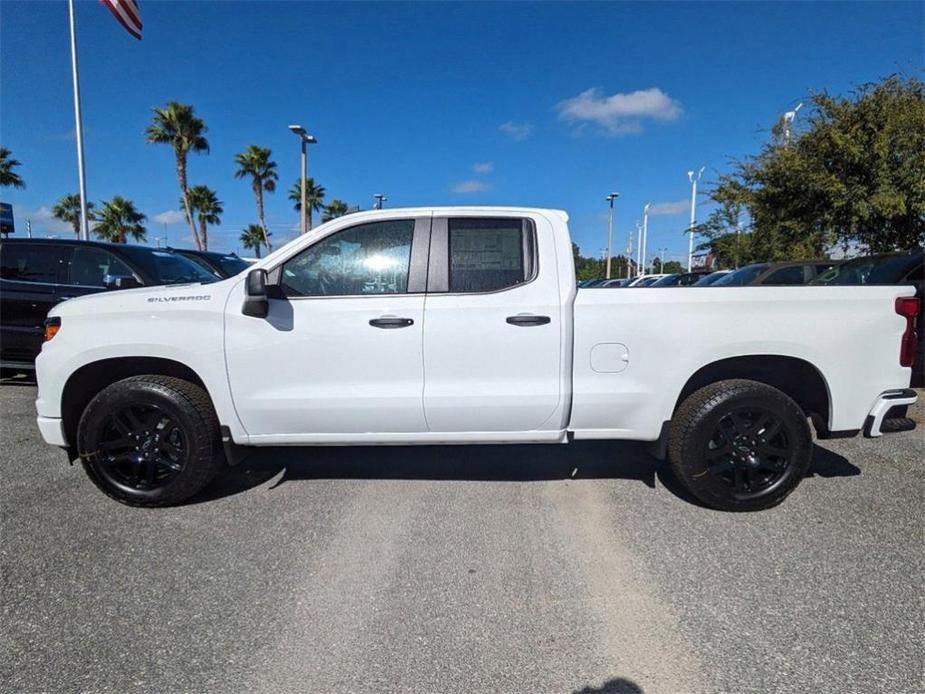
point(710, 278)
point(222, 264)
point(775, 274)
point(886, 269)
point(623, 282)
point(454, 325)
point(645, 280)
point(684, 279)
point(36, 274)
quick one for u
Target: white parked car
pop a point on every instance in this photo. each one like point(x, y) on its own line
point(464, 325)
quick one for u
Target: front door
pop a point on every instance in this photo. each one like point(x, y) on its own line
point(339, 357)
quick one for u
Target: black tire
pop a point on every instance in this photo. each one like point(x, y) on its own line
point(739, 445)
point(150, 440)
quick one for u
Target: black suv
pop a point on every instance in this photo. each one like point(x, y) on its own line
point(223, 264)
point(35, 274)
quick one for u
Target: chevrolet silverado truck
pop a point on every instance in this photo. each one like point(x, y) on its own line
point(464, 326)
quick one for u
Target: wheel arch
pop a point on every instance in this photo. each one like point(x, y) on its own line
point(87, 381)
point(795, 377)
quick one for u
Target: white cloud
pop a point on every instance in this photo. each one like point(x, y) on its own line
point(516, 131)
point(483, 167)
point(619, 113)
point(170, 217)
point(470, 187)
point(42, 220)
point(670, 208)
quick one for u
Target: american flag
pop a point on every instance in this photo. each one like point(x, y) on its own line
point(126, 13)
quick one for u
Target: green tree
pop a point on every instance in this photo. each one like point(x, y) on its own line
point(118, 219)
point(335, 208)
point(253, 238)
point(852, 176)
point(255, 162)
point(207, 208)
point(67, 209)
point(728, 239)
point(178, 126)
point(314, 195)
point(8, 177)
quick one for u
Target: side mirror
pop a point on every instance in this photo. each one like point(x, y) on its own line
point(256, 302)
point(120, 282)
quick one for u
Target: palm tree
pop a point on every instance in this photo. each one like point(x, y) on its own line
point(252, 237)
point(204, 203)
point(314, 195)
point(118, 219)
point(255, 162)
point(176, 125)
point(67, 209)
point(8, 177)
point(336, 208)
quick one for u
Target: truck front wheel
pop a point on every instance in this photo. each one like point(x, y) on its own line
point(150, 440)
point(740, 445)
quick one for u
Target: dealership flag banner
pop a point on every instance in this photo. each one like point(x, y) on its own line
point(126, 13)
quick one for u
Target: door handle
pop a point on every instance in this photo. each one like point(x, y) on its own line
point(391, 323)
point(526, 321)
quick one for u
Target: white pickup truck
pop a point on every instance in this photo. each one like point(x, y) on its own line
point(464, 325)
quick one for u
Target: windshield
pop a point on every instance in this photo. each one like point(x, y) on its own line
point(171, 268)
point(232, 264)
point(877, 269)
point(667, 281)
point(740, 277)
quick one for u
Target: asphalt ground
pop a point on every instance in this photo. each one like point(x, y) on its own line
point(461, 569)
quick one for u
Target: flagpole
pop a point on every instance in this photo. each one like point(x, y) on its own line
point(81, 175)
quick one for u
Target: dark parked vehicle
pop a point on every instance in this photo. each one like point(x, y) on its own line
point(685, 279)
point(36, 274)
point(711, 278)
point(887, 268)
point(775, 274)
point(223, 264)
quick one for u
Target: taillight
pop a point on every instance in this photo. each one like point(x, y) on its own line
point(52, 326)
point(908, 308)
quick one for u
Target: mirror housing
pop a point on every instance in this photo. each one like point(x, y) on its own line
point(120, 282)
point(256, 300)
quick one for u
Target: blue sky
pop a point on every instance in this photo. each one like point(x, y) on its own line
point(472, 103)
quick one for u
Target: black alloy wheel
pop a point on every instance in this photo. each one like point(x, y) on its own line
point(740, 445)
point(150, 440)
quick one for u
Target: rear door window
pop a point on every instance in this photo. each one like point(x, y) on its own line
point(27, 262)
point(487, 254)
point(89, 266)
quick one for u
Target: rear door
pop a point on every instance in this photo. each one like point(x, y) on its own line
point(29, 274)
point(492, 323)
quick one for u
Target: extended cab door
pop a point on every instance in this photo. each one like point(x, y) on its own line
point(339, 356)
point(492, 326)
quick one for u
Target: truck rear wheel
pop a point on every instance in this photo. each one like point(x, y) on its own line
point(740, 445)
point(150, 440)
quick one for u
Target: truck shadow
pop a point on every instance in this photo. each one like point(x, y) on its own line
point(492, 463)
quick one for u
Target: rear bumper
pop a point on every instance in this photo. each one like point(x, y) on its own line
point(52, 430)
point(873, 426)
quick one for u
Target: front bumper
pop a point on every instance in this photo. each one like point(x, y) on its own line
point(873, 426)
point(52, 430)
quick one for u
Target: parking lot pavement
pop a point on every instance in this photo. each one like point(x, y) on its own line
point(461, 569)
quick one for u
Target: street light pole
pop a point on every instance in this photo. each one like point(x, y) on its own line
point(693, 178)
point(645, 236)
point(380, 198)
point(304, 140)
point(629, 251)
point(610, 198)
